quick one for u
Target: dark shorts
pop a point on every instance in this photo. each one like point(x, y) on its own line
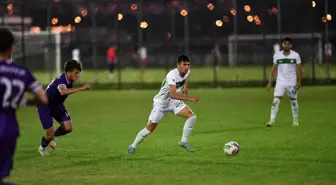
point(111, 66)
point(7, 150)
point(48, 112)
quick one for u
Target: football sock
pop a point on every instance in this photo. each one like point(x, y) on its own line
point(295, 109)
point(60, 131)
point(140, 137)
point(44, 142)
point(188, 126)
point(274, 109)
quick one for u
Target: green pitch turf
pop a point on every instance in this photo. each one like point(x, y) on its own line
point(197, 75)
point(106, 122)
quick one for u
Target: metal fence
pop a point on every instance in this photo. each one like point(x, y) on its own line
point(231, 40)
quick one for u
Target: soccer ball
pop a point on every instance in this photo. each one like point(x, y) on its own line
point(231, 148)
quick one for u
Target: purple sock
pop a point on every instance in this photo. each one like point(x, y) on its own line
point(60, 132)
point(44, 142)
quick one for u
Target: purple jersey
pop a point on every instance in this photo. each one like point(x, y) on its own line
point(54, 96)
point(14, 81)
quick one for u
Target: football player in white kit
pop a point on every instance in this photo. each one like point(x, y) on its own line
point(169, 99)
point(287, 65)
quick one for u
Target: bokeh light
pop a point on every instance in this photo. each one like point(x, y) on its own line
point(247, 8)
point(211, 6)
point(10, 7)
point(219, 23)
point(226, 19)
point(143, 25)
point(84, 13)
point(184, 12)
point(328, 17)
point(77, 19)
point(54, 20)
point(134, 6)
point(233, 11)
point(249, 18)
point(120, 16)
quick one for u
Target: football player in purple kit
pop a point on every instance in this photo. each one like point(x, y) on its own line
point(57, 92)
point(14, 81)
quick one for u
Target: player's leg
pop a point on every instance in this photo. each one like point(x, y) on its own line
point(182, 110)
point(154, 118)
point(110, 69)
point(64, 128)
point(47, 123)
point(62, 116)
point(292, 94)
point(279, 91)
point(7, 148)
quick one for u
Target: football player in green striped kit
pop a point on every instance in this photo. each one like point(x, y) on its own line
point(288, 68)
point(174, 90)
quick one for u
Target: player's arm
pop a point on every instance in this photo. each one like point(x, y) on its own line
point(274, 70)
point(299, 71)
point(40, 97)
point(185, 89)
point(172, 91)
point(273, 73)
point(65, 91)
point(174, 95)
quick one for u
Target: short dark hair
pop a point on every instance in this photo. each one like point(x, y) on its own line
point(183, 58)
point(7, 39)
point(287, 39)
point(71, 65)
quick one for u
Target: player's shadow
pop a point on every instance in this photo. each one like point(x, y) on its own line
point(230, 130)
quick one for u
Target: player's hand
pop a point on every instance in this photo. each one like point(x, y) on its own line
point(269, 86)
point(194, 99)
point(298, 85)
point(86, 86)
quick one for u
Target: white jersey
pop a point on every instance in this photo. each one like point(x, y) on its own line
point(287, 67)
point(172, 78)
point(75, 54)
point(142, 52)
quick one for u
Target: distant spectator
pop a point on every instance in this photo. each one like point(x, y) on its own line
point(142, 52)
point(111, 60)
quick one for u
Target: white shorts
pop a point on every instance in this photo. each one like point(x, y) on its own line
point(280, 90)
point(159, 110)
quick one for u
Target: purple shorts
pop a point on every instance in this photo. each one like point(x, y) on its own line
point(48, 112)
point(7, 148)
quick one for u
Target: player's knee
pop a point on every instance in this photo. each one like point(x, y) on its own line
point(67, 127)
point(276, 100)
point(151, 126)
point(192, 116)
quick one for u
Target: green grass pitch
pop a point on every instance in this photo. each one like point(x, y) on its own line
point(106, 122)
point(204, 74)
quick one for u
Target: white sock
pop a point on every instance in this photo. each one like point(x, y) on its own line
point(188, 126)
point(295, 109)
point(274, 109)
point(140, 137)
